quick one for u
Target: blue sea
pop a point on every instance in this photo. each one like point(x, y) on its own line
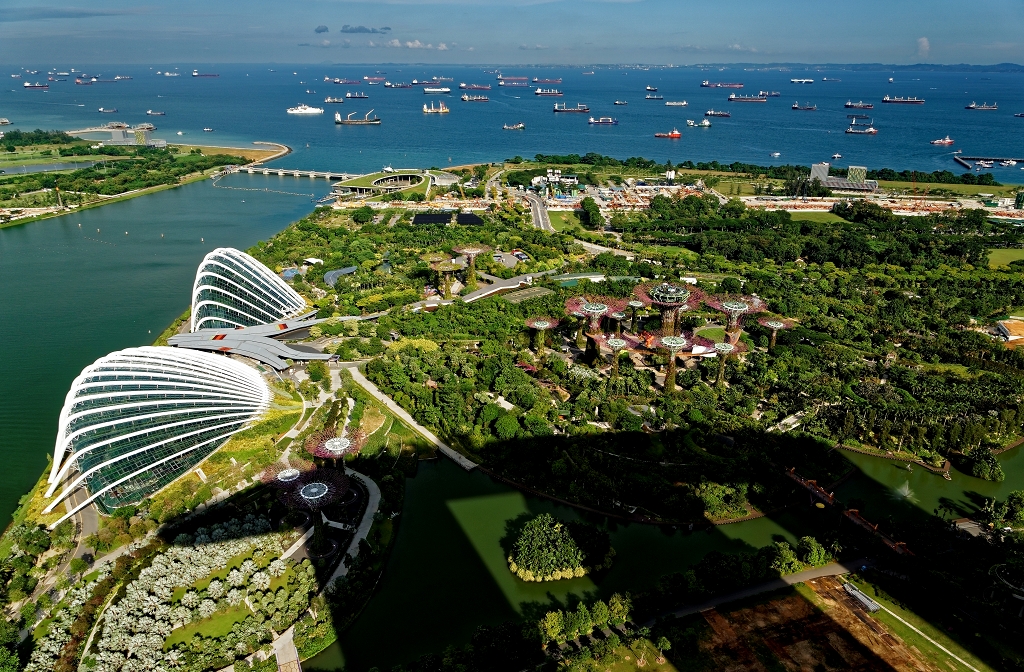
point(247, 103)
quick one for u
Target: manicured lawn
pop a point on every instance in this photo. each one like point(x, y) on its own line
point(928, 650)
point(562, 219)
point(217, 625)
point(821, 217)
point(1003, 257)
point(716, 334)
point(956, 189)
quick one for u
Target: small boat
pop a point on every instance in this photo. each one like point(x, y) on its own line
point(837, 155)
point(717, 113)
point(775, 155)
point(207, 130)
point(1019, 114)
point(349, 121)
point(674, 133)
point(704, 123)
point(328, 99)
point(435, 110)
point(983, 106)
point(587, 73)
point(121, 78)
point(4, 121)
point(436, 89)
point(180, 133)
point(769, 94)
point(676, 103)
point(831, 79)
point(808, 107)
point(480, 87)
point(154, 113)
point(652, 88)
point(859, 105)
point(733, 98)
point(621, 102)
point(474, 99)
point(172, 74)
point(305, 109)
point(310, 91)
point(890, 80)
point(358, 94)
point(943, 141)
point(897, 100)
point(108, 110)
point(521, 126)
point(548, 92)
point(196, 73)
point(650, 96)
point(1007, 163)
point(797, 80)
point(580, 107)
point(37, 85)
point(603, 121)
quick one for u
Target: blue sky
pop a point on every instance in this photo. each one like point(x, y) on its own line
point(511, 31)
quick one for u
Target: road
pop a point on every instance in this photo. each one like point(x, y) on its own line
point(831, 569)
point(540, 212)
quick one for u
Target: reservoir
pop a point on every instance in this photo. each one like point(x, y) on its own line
point(77, 287)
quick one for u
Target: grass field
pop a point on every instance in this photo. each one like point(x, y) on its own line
point(821, 217)
point(1003, 257)
point(252, 153)
point(217, 625)
point(560, 220)
point(368, 180)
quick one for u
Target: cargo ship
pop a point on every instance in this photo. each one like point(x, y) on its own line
point(328, 99)
point(506, 82)
point(769, 94)
point(397, 85)
point(349, 121)
point(621, 102)
point(305, 109)
point(374, 79)
point(717, 113)
point(807, 108)
point(435, 110)
point(654, 96)
point(358, 94)
point(797, 80)
point(733, 98)
point(652, 88)
point(557, 80)
point(603, 121)
point(548, 92)
point(121, 78)
point(721, 85)
point(512, 79)
point(983, 106)
point(859, 105)
point(521, 126)
point(903, 101)
point(676, 103)
point(349, 82)
point(37, 85)
point(154, 113)
point(196, 73)
point(474, 99)
point(860, 129)
point(475, 87)
point(436, 89)
point(674, 133)
point(108, 110)
point(580, 107)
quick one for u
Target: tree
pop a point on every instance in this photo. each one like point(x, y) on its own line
point(553, 626)
point(619, 608)
point(317, 371)
point(662, 645)
point(812, 552)
point(599, 614)
point(1015, 507)
point(362, 215)
point(8, 661)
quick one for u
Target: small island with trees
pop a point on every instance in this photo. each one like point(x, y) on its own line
point(548, 550)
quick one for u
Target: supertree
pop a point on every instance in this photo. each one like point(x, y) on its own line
point(776, 324)
point(593, 308)
point(327, 446)
point(724, 351)
point(634, 308)
point(314, 491)
point(735, 307)
point(283, 475)
point(433, 258)
point(673, 344)
point(618, 316)
point(670, 299)
point(446, 268)
point(539, 326)
point(616, 344)
point(471, 252)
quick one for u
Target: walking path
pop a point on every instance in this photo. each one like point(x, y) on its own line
point(459, 459)
point(831, 569)
point(364, 525)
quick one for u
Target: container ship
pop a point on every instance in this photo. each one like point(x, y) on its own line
point(733, 98)
point(557, 80)
point(475, 87)
point(717, 113)
point(37, 85)
point(474, 99)
point(797, 80)
point(435, 110)
point(859, 105)
point(436, 89)
point(983, 106)
point(358, 94)
point(674, 133)
point(196, 73)
point(914, 100)
point(349, 121)
point(603, 121)
point(548, 92)
point(580, 107)
point(721, 85)
point(806, 108)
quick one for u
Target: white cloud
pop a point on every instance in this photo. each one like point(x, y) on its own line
point(442, 47)
point(740, 47)
point(416, 44)
point(393, 43)
point(536, 47)
point(923, 47)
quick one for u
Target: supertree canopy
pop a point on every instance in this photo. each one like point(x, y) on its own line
point(776, 324)
point(634, 306)
point(616, 344)
point(327, 446)
point(673, 344)
point(471, 252)
point(314, 491)
point(724, 351)
point(446, 268)
point(539, 326)
point(670, 299)
point(284, 475)
point(593, 308)
point(735, 307)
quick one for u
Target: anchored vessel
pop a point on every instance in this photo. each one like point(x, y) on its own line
point(676, 103)
point(674, 133)
point(513, 81)
point(475, 87)
point(108, 110)
point(733, 98)
point(515, 127)
point(983, 106)
point(557, 80)
point(154, 113)
point(943, 141)
point(349, 121)
point(769, 94)
point(797, 80)
point(721, 85)
point(717, 113)
point(547, 92)
point(580, 107)
point(37, 85)
point(358, 94)
point(652, 88)
point(654, 96)
point(474, 99)
point(621, 102)
point(808, 107)
point(305, 109)
point(328, 99)
point(903, 101)
point(436, 89)
point(603, 121)
point(435, 110)
point(859, 105)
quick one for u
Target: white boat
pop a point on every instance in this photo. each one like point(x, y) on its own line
point(943, 141)
point(305, 109)
point(796, 80)
point(676, 103)
point(4, 121)
point(436, 89)
point(1007, 163)
point(691, 122)
point(837, 156)
point(775, 155)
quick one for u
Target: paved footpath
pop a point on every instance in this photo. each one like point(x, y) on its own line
point(459, 459)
